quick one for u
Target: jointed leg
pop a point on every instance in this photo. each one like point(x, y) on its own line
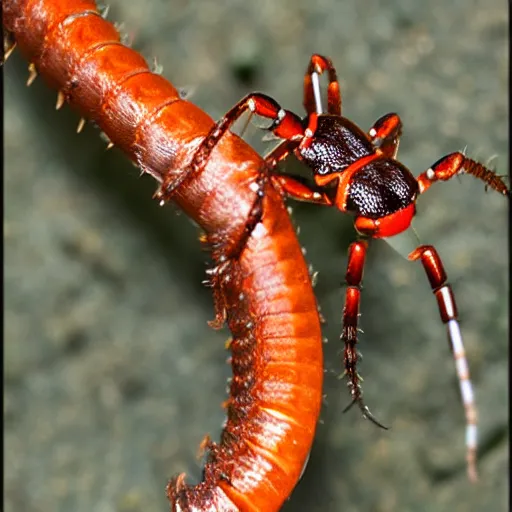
point(292, 187)
point(448, 311)
point(457, 163)
point(289, 185)
point(285, 125)
point(312, 100)
point(385, 134)
point(279, 153)
point(353, 278)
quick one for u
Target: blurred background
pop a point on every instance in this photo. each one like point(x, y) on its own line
point(112, 377)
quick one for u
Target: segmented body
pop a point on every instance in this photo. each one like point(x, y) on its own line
point(261, 281)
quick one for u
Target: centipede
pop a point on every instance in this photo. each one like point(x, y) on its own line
point(230, 247)
point(261, 284)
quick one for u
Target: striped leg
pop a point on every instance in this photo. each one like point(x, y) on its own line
point(448, 311)
point(457, 163)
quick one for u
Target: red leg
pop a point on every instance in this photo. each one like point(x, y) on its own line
point(385, 134)
point(457, 163)
point(353, 278)
point(292, 187)
point(289, 185)
point(285, 125)
point(280, 153)
point(312, 101)
point(448, 311)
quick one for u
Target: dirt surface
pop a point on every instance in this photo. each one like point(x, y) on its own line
point(112, 375)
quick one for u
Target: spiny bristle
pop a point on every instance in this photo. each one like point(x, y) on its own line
point(125, 37)
point(60, 100)
point(103, 9)
point(32, 74)
point(9, 46)
point(119, 26)
point(81, 125)
point(156, 68)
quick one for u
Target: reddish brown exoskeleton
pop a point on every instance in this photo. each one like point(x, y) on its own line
point(259, 277)
point(358, 173)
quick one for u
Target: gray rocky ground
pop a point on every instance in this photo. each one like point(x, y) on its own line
point(112, 375)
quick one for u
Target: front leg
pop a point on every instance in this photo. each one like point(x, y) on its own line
point(224, 249)
point(285, 125)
